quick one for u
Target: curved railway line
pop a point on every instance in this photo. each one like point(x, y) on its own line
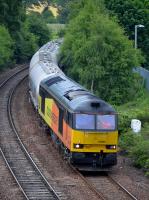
point(31, 181)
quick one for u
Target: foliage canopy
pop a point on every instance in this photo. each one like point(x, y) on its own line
point(27, 33)
point(39, 28)
point(96, 53)
point(129, 14)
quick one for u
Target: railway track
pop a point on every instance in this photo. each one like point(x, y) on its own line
point(4, 78)
point(121, 187)
point(31, 181)
point(105, 186)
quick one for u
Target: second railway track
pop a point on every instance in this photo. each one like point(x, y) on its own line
point(31, 181)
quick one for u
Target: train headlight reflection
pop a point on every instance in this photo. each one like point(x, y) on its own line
point(111, 147)
point(78, 146)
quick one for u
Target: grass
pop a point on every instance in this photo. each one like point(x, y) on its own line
point(136, 145)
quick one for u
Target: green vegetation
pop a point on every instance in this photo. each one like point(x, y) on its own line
point(96, 53)
point(136, 145)
point(12, 14)
point(26, 44)
point(39, 28)
point(57, 30)
point(48, 16)
point(20, 34)
point(129, 14)
point(138, 108)
point(6, 44)
point(137, 148)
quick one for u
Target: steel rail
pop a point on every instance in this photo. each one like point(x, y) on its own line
point(93, 188)
point(12, 76)
point(22, 145)
point(11, 171)
point(2, 153)
point(121, 187)
point(29, 158)
point(97, 193)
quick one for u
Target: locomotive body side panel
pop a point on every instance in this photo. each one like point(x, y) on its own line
point(51, 116)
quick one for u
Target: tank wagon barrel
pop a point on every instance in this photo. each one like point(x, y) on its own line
point(82, 125)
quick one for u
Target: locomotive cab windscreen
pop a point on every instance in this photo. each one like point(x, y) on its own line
point(95, 122)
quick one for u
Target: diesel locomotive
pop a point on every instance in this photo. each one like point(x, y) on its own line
point(82, 125)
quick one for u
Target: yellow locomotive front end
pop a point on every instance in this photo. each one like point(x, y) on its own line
point(94, 140)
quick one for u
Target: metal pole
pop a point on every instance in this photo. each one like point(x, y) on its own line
point(136, 36)
point(136, 29)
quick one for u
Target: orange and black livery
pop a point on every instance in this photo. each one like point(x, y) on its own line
point(81, 124)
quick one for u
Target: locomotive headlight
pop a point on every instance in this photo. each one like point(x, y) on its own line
point(78, 146)
point(111, 146)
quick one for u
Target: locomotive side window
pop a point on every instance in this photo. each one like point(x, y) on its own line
point(44, 94)
point(61, 116)
point(69, 119)
point(84, 121)
point(43, 103)
point(105, 122)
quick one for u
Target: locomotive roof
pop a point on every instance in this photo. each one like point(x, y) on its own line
point(73, 96)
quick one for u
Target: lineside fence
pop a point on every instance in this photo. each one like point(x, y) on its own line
point(144, 73)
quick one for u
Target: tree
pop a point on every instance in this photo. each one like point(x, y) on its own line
point(11, 15)
point(96, 53)
point(27, 44)
point(129, 14)
point(65, 10)
point(6, 47)
point(39, 28)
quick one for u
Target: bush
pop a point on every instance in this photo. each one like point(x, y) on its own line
point(61, 33)
point(137, 148)
point(127, 140)
point(140, 153)
point(6, 47)
point(136, 145)
point(147, 167)
point(134, 109)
